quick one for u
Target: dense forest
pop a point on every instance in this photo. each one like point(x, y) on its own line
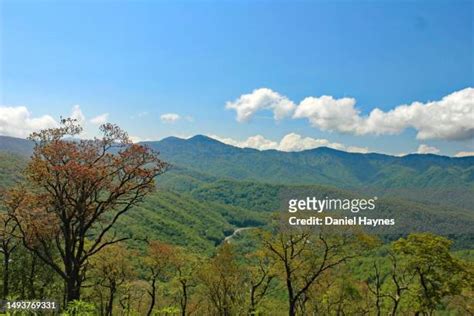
point(107, 227)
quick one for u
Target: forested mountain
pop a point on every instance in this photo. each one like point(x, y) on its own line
point(315, 166)
point(410, 215)
point(198, 209)
point(320, 165)
point(11, 167)
point(15, 145)
point(427, 178)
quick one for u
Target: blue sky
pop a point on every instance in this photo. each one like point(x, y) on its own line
point(138, 60)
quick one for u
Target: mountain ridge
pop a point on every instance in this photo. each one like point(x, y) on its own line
point(23, 146)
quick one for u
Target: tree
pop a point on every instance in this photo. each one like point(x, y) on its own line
point(304, 255)
point(8, 244)
point(33, 279)
point(261, 272)
point(437, 272)
point(376, 289)
point(158, 265)
point(110, 269)
point(337, 292)
point(400, 279)
point(222, 278)
point(185, 265)
point(76, 190)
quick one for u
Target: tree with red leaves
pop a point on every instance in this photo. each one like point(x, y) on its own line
point(75, 192)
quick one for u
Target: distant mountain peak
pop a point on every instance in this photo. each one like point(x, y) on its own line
point(170, 139)
point(323, 149)
point(203, 138)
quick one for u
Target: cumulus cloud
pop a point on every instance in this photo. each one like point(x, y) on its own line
point(170, 117)
point(451, 118)
point(78, 115)
point(261, 99)
point(19, 122)
point(100, 119)
point(328, 113)
point(464, 154)
point(257, 142)
point(425, 149)
point(138, 139)
point(296, 142)
point(356, 149)
point(289, 142)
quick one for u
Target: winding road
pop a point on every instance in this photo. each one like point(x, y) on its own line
point(235, 233)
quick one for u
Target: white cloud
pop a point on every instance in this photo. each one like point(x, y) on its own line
point(137, 139)
point(260, 142)
point(464, 154)
point(425, 149)
point(451, 118)
point(257, 142)
point(328, 113)
point(78, 115)
point(170, 117)
point(261, 99)
point(295, 142)
point(18, 121)
point(356, 149)
point(290, 142)
point(100, 119)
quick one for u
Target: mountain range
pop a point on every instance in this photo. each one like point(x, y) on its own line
point(213, 188)
point(421, 177)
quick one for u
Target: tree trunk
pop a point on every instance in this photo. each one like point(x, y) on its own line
point(291, 298)
point(292, 308)
point(31, 278)
point(153, 295)
point(110, 304)
point(394, 308)
point(73, 289)
point(185, 299)
point(6, 273)
point(252, 300)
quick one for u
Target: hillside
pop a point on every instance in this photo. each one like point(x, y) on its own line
point(11, 166)
point(175, 217)
point(15, 145)
point(179, 219)
point(410, 216)
point(428, 178)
